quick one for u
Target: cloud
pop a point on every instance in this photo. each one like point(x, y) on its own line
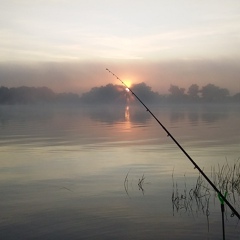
point(73, 30)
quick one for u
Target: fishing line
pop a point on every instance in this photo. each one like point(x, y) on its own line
point(180, 147)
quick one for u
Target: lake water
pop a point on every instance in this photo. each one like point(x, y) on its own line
point(111, 172)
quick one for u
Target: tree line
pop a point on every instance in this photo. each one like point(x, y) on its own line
point(208, 93)
point(32, 95)
point(117, 94)
point(194, 94)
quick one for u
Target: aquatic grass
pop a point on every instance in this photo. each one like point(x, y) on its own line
point(198, 197)
point(226, 178)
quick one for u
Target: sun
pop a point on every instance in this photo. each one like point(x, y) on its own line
point(128, 83)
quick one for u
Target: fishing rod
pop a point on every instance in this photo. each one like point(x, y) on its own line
point(181, 148)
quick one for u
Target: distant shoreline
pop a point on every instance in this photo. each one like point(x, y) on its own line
point(117, 95)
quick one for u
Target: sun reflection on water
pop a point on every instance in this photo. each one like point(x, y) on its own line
point(127, 114)
point(128, 124)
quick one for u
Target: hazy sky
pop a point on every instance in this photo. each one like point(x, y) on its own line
point(67, 44)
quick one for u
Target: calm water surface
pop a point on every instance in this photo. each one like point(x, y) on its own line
point(73, 172)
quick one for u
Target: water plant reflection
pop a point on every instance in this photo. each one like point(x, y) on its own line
point(140, 184)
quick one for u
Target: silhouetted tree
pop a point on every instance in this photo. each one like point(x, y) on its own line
point(236, 97)
point(213, 93)
point(177, 93)
point(145, 92)
point(44, 94)
point(25, 95)
point(104, 94)
point(4, 95)
point(193, 91)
